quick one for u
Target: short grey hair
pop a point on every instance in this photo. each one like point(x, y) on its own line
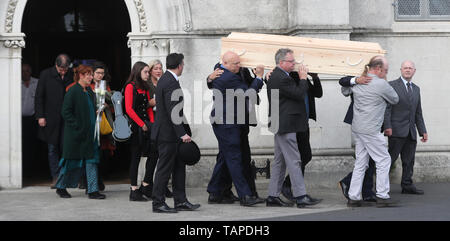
point(281, 55)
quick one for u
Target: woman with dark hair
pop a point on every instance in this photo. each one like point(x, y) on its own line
point(80, 148)
point(138, 109)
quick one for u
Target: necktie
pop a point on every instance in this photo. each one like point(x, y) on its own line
point(409, 91)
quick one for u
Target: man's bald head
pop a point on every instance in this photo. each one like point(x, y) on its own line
point(408, 69)
point(231, 61)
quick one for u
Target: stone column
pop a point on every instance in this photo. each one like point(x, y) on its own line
point(11, 45)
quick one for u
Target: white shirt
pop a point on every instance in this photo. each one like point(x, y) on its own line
point(28, 94)
point(405, 82)
point(174, 75)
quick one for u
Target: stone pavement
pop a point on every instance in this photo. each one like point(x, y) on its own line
point(41, 203)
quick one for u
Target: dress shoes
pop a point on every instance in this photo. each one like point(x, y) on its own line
point(186, 206)
point(412, 191)
point(96, 195)
point(306, 200)
point(230, 196)
point(386, 202)
point(277, 202)
point(216, 199)
point(62, 193)
point(354, 203)
point(146, 191)
point(344, 187)
point(249, 201)
point(136, 196)
point(258, 199)
point(163, 208)
point(371, 199)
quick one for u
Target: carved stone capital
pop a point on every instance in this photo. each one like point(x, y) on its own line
point(15, 44)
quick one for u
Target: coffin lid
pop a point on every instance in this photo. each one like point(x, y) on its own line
point(327, 56)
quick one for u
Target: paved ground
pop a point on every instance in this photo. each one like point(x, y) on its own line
point(433, 206)
point(41, 203)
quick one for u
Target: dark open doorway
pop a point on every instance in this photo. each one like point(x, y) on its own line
point(85, 30)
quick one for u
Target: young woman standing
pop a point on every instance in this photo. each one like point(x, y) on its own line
point(138, 109)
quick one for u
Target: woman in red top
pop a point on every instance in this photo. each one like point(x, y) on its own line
point(138, 109)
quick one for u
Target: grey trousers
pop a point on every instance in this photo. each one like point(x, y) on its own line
point(286, 155)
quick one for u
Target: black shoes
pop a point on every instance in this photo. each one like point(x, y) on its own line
point(344, 189)
point(354, 203)
point(96, 195)
point(186, 206)
point(215, 199)
point(230, 197)
point(163, 208)
point(383, 203)
point(370, 199)
point(306, 200)
point(62, 193)
point(136, 196)
point(250, 201)
point(412, 191)
point(146, 191)
point(277, 202)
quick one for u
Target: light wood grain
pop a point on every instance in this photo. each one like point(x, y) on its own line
point(326, 56)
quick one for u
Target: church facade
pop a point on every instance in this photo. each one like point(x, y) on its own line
point(415, 30)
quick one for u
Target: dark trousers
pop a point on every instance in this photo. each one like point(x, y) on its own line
point(406, 147)
point(137, 145)
point(304, 148)
point(367, 188)
point(29, 145)
point(230, 157)
point(54, 155)
point(169, 164)
point(246, 165)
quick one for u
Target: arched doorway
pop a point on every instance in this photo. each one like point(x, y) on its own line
point(86, 30)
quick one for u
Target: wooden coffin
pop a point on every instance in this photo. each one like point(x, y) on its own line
point(324, 56)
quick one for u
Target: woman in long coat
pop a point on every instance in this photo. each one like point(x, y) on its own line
point(79, 148)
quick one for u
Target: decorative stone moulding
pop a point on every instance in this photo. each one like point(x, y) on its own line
point(326, 56)
point(142, 17)
point(10, 15)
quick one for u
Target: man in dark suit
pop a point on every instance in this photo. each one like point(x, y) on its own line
point(368, 194)
point(49, 98)
point(169, 129)
point(227, 196)
point(304, 147)
point(230, 121)
point(287, 116)
point(400, 123)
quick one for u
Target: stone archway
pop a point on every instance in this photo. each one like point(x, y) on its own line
point(167, 18)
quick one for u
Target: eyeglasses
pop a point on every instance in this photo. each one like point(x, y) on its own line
point(290, 61)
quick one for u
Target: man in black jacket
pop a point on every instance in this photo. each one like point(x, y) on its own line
point(287, 116)
point(48, 104)
point(168, 131)
point(304, 147)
